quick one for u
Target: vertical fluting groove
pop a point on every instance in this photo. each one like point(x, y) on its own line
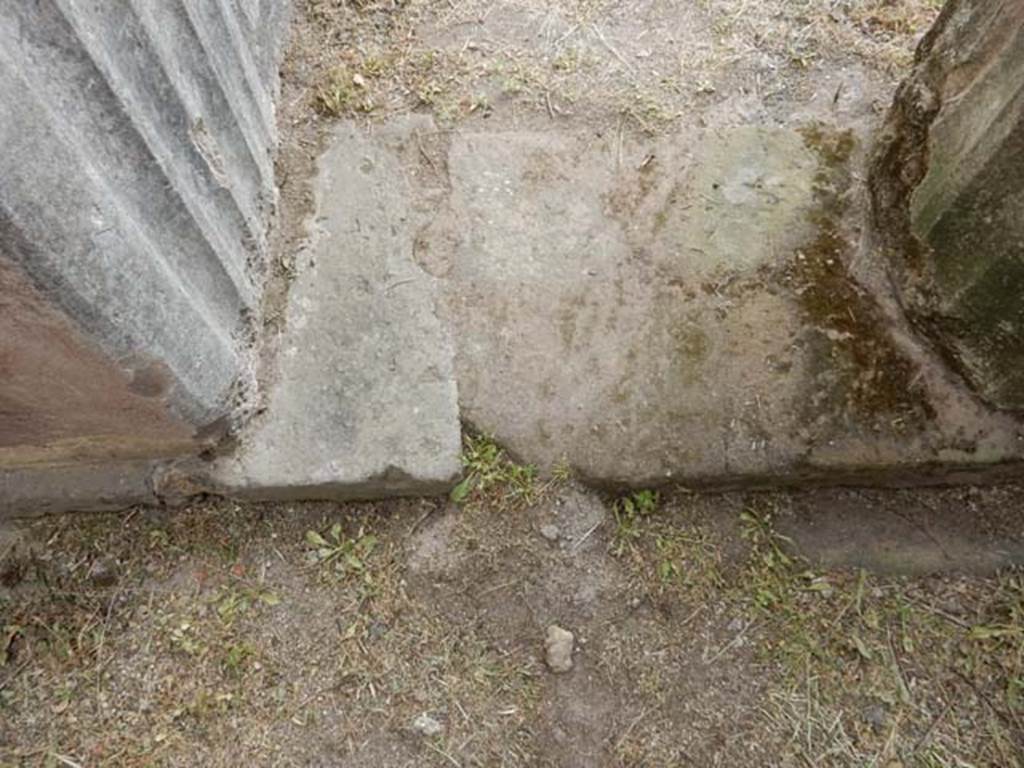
point(206, 113)
point(244, 104)
point(162, 126)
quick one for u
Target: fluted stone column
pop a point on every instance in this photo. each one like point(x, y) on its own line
point(136, 184)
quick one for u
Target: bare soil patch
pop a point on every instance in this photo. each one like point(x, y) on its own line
point(412, 632)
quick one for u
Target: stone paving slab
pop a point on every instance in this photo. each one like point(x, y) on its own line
point(689, 309)
point(685, 310)
point(364, 403)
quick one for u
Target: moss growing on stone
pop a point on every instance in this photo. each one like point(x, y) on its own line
point(871, 376)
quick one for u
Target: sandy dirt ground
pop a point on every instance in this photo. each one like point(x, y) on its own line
point(820, 628)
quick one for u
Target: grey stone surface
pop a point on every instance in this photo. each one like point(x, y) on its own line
point(138, 176)
point(365, 401)
point(426, 725)
point(948, 182)
point(684, 310)
point(575, 335)
point(80, 487)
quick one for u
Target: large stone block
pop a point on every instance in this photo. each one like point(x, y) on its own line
point(364, 402)
point(681, 309)
point(948, 193)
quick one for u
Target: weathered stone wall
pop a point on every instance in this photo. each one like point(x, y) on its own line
point(137, 186)
point(948, 193)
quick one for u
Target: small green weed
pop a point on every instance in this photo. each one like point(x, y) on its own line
point(192, 633)
point(185, 638)
point(771, 571)
point(628, 512)
point(491, 474)
point(233, 603)
point(339, 553)
point(236, 655)
point(562, 471)
point(668, 557)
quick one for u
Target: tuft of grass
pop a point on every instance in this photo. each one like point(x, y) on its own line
point(562, 471)
point(850, 643)
point(342, 92)
point(670, 559)
point(863, 669)
point(629, 512)
point(490, 475)
point(648, 110)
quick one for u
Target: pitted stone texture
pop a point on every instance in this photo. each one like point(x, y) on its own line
point(365, 401)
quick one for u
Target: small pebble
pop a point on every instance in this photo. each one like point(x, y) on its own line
point(875, 717)
point(558, 647)
point(427, 725)
point(103, 572)
point(549, 532)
